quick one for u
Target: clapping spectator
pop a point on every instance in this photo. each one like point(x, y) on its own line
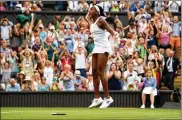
point(80, 59)
point(6, 73)
point(114, 77)
point(84, 86)
point(43, 86)
point(130, 78)
point(67, 78)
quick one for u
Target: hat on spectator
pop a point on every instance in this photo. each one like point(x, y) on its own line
point(21, 73)
point(41, 25)
point(77, 73)
point(52, 27)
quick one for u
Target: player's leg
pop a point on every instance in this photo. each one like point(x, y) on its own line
point(101, 66)
point(97, 100)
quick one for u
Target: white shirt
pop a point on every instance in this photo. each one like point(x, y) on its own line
point(48, 74)
point(174, 6)
point(73, 5)
point(80, 61)
point(130, 79)
point(105, 5)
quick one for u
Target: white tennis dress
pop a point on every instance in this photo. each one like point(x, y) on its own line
point(100, 38)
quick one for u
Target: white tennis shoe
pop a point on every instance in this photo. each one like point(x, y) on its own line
point(152, 106)
point(143, 106)
point(106, 102)
point(96, 102)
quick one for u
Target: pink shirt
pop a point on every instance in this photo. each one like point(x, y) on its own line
point(2, 8)
point(164, 39)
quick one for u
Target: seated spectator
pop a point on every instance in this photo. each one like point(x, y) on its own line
point(149, 88)
point(83, 86)
point(114, 77)
point(67, 78)
point(43, 86)
point(13, 86)
point(27, 84)
point(20, 78)
point(77, 78)
point(55, 85)
point(130, 78)
point(36, 81)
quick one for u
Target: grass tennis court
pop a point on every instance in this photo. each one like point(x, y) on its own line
point(90, 114)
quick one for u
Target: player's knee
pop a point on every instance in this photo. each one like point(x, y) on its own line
point(94, 73)
point(100, 73)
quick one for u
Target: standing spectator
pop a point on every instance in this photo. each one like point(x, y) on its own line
point(175, 37)
point(106, 5)
point(2, 8)
point(43, 86)
point(149, 88)
point(50, 47)
point(26, 57)
point(15, 40)
point(5, 50)
point(69, 40)
point(13, 86)
point(6, 30)
point(83, 6)
point(114, 77)
point(36, 47)
point(67, 78)
point(48, 71)
point(170, 68)
point(6, 73)
point(115, 7)
point(174, 6)
point(80, 59)
point(72, 6)
point(90, 45)
point(14, 64)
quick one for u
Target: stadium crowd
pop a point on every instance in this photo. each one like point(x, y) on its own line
point(58, 56)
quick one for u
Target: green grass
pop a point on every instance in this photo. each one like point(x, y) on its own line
point(90, 114)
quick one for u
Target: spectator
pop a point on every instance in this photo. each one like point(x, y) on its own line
point(84, 86)
point(170, 68)
point(27, 57)
point(175, 37)
point(36, 81)
point(72, 6)
point(174, 6)
point(15, 41)
point(13, 86)
point(106, 5)
point(83, 6)
point(130, 78)
point(67, 78)
point(6, 30)
point(5, 50)
point(55, 86)
point(20, 78)
point(43, 86)
point(115, 7)
point(77, 79)
point(80, 58)
point(2, 8)
point(27, 84)
point(149, 88)
point(14, 64)
point(90, 45)
point(6, 73)
point(114, 77)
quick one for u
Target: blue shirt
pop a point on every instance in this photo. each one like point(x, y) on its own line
point(176, 28)
point(45, 88)
point(15, 88)
point(150, 82)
